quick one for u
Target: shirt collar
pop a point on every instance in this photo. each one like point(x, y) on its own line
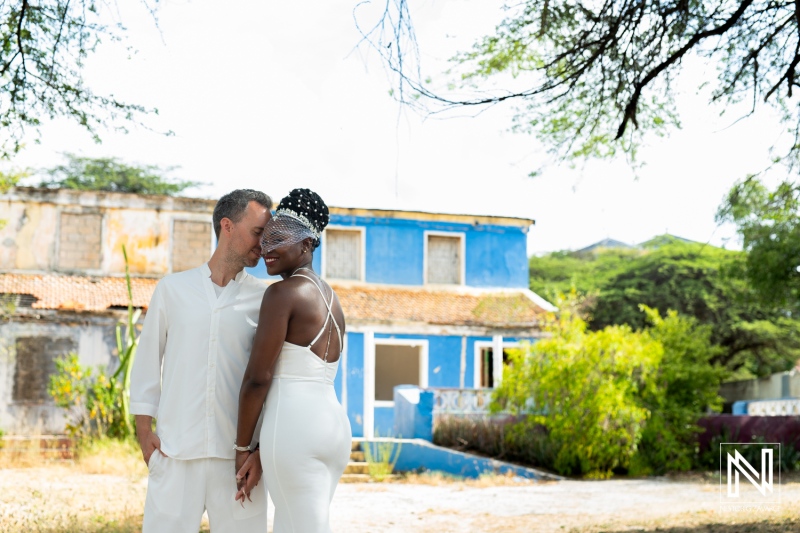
point(240, 277)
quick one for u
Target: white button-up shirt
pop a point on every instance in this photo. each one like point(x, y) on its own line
point(192, 354)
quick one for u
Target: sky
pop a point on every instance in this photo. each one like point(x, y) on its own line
point(278, 95)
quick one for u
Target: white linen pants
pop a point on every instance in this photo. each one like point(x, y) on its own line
point(179, 491)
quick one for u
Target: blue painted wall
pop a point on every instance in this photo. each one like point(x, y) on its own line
point(496, 256)
point(444, 366)
point(384, 421)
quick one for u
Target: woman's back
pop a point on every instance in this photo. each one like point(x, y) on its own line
point(313, 304)
point(306, 436)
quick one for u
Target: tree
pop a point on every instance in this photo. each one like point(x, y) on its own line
point(110, 174)
point(43, 47)
point(700, 281)
point(703, 282)
point(559, 272)
point(591, 78)
point(769, 223)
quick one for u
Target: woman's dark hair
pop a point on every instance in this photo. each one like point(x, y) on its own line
point(307, 204)
point(233, 205)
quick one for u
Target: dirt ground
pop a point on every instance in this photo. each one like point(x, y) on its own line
point(61, 499)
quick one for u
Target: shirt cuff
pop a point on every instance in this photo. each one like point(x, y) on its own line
point(144, 409)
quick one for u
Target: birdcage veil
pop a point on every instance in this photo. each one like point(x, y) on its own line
point(285, 229)
point(300, 215)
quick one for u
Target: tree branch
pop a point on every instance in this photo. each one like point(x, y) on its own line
point(630, 109)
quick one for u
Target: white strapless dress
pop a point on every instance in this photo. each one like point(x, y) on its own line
point(305, 440)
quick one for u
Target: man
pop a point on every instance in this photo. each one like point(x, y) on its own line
point(193, 350)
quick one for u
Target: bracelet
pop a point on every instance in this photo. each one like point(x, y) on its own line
point(241, 448)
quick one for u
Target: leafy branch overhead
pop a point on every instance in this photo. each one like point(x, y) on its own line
point(43, 49)
point(591, 78)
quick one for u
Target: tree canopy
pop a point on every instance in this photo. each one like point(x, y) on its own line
point(591, 78)
point(113, 175)
point(696, 280)
point(769, 223)
point(43, 49)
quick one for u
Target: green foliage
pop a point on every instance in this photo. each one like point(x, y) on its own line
point(126, 348)
point(591, 79)
point(685, 387)
point(560, 272)
point(703, 282)
point(586, 387)
point(43, 49)
point(381, 456)
point(102, 402)
point(758, 337)
point(769, 223)
point(95, 398)
point(112, 175)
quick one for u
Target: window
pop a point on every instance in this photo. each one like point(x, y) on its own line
point(444, 259)
point(343, 249)
point(488, 372)
point(79, 245)
point(397, 365)
point(35, 363)
point(191, 244)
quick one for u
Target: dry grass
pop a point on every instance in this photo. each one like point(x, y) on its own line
point(103, 489)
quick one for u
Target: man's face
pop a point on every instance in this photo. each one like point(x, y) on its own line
point(245, 244)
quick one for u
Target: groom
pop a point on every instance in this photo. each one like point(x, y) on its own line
point(193, 350)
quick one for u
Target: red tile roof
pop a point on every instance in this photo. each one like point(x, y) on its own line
point(78, 293)
point(371, 303)
point(361, 303)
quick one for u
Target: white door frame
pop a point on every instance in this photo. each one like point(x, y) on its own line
point(369, 374)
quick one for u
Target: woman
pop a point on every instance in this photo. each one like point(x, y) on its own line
point(305, 437)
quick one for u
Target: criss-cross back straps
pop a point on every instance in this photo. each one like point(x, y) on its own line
point(330, 316)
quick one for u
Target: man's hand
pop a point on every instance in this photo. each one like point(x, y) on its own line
point(148, 440)
point(248, 473)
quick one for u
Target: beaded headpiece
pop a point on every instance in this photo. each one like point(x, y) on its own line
point(299, 216)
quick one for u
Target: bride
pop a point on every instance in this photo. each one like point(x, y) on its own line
point(305, 437)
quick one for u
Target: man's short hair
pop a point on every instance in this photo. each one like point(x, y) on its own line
point(234, 204)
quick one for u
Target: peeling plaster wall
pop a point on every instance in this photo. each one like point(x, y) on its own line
point(30, 240)
point(27, 242)
point(91, 335)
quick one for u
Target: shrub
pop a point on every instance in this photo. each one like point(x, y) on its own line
point(686, 385)
point(94, 399)
point(381, 456)
point(586, 387)
point(505, 438)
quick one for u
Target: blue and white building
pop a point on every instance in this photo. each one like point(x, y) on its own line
point(429, 300)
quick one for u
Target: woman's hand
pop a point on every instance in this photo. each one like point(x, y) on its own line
point(248, 473)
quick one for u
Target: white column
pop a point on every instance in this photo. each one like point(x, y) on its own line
point(463, 367)
point(369, 384)
point(497, 359)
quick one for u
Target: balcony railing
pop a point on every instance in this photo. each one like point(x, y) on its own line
point(461, 401)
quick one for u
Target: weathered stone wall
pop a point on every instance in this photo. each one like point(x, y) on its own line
point(190, 244)
point(29, 344)
point(77, 232)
